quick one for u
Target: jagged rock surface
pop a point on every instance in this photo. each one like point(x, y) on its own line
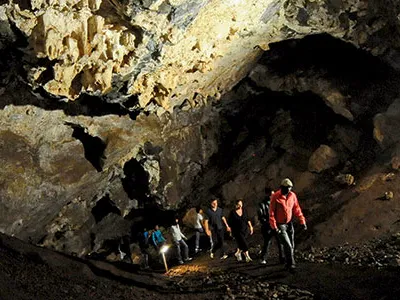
point(114, 102)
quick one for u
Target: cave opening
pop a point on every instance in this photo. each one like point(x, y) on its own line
point(103, 207)
point(93, 146)
point(136, 182)
point(366, 78)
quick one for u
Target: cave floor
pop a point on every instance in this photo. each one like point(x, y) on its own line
point(29, 272)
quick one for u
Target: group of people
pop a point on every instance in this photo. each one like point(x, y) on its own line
point(275, 213)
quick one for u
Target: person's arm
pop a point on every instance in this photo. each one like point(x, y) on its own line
point(182, 235)
point(272, 219)
point(154, 239)
point(250, 227)
point(206, 227)
point(226, 224)
point(162, 238)
point(297, 211)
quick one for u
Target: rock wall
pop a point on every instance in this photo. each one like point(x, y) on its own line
point(115, 104)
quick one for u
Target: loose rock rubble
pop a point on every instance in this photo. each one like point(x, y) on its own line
point(238, 286)
point(376, 253)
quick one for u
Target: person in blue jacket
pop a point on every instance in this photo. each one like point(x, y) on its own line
point(157, 238)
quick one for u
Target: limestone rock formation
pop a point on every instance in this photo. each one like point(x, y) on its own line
point(322, 159)
point(112, 106)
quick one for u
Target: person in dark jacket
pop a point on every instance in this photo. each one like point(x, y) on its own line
point(266, 230)
point(144, 244)
point(241, 227)
point(214, 226)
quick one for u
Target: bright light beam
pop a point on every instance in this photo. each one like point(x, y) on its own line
point(163, 250)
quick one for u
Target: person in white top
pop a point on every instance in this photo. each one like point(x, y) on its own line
point(198, 226)
point(179, 240)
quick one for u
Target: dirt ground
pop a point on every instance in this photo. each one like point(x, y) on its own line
point(29, 272)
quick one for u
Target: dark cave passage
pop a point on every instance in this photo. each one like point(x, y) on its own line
point(365, 78)
point(136, 181)
point(93, 145)
point(103, 207)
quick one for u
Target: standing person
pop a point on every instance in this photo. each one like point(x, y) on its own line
point(157, 238)
point(214, 227)
point(179, 240)
point(266, 230)
point(143, 239)
point(241, 227)
point(198, 228)
point(284, 204)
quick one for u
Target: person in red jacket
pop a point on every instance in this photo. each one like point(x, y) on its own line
point(284, 205)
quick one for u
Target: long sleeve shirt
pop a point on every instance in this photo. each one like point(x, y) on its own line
point(177, 234)
point(157, 237)
point(282, 209)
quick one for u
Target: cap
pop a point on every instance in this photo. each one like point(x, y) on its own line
point(286, 182)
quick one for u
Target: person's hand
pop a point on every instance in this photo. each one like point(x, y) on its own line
point(278, 231)
point(304, 226)
point(251, 230)
point(208, 232)
point(228, 229)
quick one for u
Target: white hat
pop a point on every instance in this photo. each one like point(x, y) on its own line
point(286, 182)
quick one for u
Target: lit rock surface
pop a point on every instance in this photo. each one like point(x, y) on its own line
point(169, 51)
point(109, 106)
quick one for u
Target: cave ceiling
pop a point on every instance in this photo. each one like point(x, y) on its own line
point(118, 104)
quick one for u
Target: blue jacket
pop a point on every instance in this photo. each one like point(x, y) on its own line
point(157, 237)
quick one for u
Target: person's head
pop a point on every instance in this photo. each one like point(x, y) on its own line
point(286, 186)
point(268, 193)
point(156, 227)
point(199, 210)
point(214, 203)
point(238, 204)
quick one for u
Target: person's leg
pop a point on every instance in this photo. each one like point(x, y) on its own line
point(221, 243)
point(197, 242)
point(287, 245)
point(267, 233)
point(280, 249)
point(185, 250)
point(243, 245)
point(238, 253)
point(215, 240)
point(290, 232)
point(178, 252)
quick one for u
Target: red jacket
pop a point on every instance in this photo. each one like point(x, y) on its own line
point(282, 208)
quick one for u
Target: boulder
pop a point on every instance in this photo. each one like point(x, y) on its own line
point(323, 159)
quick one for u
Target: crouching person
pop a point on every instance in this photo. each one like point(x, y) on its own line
point(179, 241)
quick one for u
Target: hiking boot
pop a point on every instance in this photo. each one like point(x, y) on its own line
point(238, 256)
point(224, 257)
point(197, 250)
point(188, 259)
point(211, 255)
point(263, 262)
point(180, 262)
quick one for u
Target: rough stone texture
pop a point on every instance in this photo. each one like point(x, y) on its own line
point(322, 159)
point(169, 51)
point(386, 125)
point(49, 187)
point(166, 142)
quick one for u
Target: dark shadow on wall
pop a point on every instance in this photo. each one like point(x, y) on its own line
point(94, 146)
point(104, 207)
point(136, 181)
